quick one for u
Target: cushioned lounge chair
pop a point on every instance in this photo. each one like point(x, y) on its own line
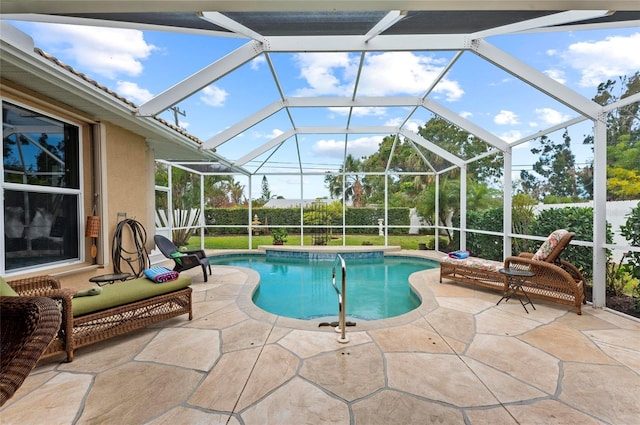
point(554, 280)
point(184, 260)
point(28, 325)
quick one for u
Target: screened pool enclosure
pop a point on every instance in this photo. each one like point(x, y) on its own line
point(418, 142)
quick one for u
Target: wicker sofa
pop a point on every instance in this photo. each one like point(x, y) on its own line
point(27, 327)
point(554, 279)
point(120, 308)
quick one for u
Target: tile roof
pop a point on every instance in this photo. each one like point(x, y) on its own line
point(112, 93)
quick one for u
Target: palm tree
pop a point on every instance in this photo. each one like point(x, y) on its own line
point(353, 189)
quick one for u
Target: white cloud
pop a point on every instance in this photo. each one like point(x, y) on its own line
point(213, 96)
point(108, 52)
point(411, 125)
point(363, 146)
point(601, 60)
point(466, 114)
point(274, 133)
point(255, 64)
point(501, 82)
point(319, 69)
point(511, 136)
point(557, 75)
point(360, 111)
point(551, 116)
point(404, 73)
point(133, 92)
point(506, 118)
point(383, 74)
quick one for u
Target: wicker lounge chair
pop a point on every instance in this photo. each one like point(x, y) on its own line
point(555, 280)
point(28, 326)
point(121, 307)
point(183, 260)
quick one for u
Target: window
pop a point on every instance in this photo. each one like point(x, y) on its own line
point(40, 189)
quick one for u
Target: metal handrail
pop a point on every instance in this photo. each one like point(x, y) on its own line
point(342, 298)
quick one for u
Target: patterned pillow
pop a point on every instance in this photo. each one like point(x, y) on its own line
point(549, 245)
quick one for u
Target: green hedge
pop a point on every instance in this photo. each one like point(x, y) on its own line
point(574, 219)
point(485, 246)
point(291, 217)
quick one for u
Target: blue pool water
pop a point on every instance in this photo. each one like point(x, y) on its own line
point(301, 288)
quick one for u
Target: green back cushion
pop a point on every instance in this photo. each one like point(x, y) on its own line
point(6, 290)
point(126, 292)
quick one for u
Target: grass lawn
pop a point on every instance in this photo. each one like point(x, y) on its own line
point(242, 241)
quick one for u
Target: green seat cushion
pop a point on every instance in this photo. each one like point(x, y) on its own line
point(6, 290)
point(126, 292)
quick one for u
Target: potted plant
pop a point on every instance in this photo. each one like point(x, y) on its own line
point(279, 235)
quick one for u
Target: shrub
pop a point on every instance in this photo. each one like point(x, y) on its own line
point(574, 219)
point(481, 245)
point(631, 232)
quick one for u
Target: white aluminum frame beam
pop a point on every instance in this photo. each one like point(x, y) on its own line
point(416, 138)
point(224, 21)
point(536, 79)
point(265, 147)
point(548, 130)
point(465, 124)
point(201, 79)
point(385, 23)
point(350, 43)
point(245, 124)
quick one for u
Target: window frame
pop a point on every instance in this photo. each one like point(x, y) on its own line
point(30, 188)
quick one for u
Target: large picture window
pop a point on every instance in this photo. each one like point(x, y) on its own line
point(40, 188)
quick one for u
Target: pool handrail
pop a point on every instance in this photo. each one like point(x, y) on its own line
point(342, 298)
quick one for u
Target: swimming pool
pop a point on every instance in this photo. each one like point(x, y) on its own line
point(301, 288)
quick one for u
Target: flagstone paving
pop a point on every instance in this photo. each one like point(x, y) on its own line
point(458, 358)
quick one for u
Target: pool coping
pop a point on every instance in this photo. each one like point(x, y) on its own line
point(417, 282)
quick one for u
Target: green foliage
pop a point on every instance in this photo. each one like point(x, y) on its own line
point(481, 245)
point(279, 234)
point(623, 137)
point(574, 219)
point(266, 192)
point(522, 217)
point(556, 199)
point(631, 232)
point(554, 171)
point(186, 222)
point(618, 278)
point(233, 221)
point(623, 183)
point(185, 189)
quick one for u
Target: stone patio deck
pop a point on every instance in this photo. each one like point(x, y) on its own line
point(457, 359)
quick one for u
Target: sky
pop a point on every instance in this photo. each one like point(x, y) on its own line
point(141, 64)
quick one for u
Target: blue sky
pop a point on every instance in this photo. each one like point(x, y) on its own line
point(141, 64)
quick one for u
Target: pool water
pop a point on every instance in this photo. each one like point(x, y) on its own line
point(302, 289)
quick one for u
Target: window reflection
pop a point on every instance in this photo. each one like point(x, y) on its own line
point(40, 225)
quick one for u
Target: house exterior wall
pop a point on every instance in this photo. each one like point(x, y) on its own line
point(128, 167)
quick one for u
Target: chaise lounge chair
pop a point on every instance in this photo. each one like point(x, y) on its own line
point(554, 279)
point(184, 260)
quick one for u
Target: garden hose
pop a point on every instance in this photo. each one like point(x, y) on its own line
point(138, 259)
